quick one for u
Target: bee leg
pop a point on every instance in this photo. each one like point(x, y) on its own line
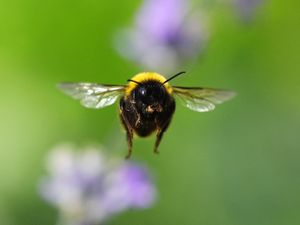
point(159, 135)
point(129, 133)
point(129, 137)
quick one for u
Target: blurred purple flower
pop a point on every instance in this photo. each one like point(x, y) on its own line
point(246, 8)
point(166, 33)
point(88, 187)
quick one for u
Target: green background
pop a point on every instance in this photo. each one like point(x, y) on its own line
point(238, 165)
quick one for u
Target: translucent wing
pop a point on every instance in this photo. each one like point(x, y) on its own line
point(92, 95)
point(202, 99)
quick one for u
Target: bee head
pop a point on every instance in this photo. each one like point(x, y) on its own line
point(150, 95)
point(150, 92)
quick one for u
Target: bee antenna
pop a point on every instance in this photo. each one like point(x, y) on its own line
point(176, 75)
point(134, 81)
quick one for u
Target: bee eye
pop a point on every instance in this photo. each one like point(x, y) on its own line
point(142, 91)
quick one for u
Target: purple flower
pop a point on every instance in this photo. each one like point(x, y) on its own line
point(166, 33)
point(88, 187)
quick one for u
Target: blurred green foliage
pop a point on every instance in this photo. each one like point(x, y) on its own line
point(238, 165)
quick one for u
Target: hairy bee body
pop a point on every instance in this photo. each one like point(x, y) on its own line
point(146, 109)
point(144, 123)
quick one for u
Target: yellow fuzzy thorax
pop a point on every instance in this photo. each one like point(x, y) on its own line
point(146, 76)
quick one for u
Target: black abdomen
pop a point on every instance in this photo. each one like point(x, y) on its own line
point(143, 123)
point(145, 128)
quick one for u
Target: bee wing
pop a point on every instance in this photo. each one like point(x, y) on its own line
point(92, 95)
point(202, 99)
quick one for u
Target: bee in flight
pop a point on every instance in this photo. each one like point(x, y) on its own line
point(147, 102)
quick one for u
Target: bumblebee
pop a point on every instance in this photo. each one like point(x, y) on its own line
point(147, 102)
